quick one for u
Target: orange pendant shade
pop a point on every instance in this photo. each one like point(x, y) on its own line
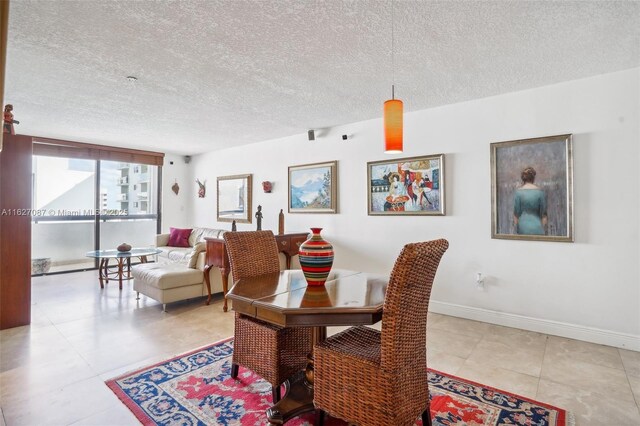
point(393, 126)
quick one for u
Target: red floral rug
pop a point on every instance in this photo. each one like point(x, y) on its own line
point(196, 389)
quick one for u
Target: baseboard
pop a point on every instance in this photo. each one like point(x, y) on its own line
point(555, 328)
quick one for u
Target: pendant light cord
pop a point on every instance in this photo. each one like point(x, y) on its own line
point(393, 64)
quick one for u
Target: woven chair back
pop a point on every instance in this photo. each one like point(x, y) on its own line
point(404, 322)
point(252, 253)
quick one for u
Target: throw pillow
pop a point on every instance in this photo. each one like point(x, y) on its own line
point(179, 237)
point(197, 249)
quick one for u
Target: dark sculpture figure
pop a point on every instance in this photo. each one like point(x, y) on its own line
point(281, 223)
point(259, 218)
point(233, 226)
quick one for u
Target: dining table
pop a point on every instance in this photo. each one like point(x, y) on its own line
point(347, 298)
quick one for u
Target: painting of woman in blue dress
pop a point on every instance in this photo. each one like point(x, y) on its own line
point(529, 206)
point(532, 189)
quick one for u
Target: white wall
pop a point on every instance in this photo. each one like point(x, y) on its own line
point(176, 209)
point(589, 289)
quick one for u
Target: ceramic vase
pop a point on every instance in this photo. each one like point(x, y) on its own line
point(316, 258)
point(40, 266)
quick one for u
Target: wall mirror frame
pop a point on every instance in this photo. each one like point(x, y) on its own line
point(234, 198)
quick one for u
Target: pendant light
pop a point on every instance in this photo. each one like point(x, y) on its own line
point(393, 108)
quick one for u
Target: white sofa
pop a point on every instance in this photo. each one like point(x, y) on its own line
point(179, 272)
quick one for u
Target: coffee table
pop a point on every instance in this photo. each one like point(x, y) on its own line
point(122, 258)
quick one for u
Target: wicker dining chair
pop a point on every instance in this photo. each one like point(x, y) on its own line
point(275, 353)
point(373, 378)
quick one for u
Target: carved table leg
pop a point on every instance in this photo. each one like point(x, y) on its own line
point(106, 270)
point(287, 256)
point(120, 271)
point(225, 286)
point(207, 280)
point(298, 396)
point(101, 273)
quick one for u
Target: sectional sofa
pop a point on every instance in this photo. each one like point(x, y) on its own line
point(179, 272)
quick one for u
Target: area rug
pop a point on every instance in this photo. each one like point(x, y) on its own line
point(196, 389)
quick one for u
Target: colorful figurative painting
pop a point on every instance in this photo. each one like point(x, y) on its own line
point(407, 186)
point(234, 198)
point(532, 189)
point(313, 188)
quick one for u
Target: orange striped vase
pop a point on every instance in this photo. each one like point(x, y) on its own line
point(316, 258)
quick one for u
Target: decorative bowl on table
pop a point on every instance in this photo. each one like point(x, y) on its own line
point(124, 247)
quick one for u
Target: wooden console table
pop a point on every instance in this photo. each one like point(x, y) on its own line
point(288, 244)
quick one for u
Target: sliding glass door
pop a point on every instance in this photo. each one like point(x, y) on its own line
point(81, 205)
point(128, 199)
point(62, 223)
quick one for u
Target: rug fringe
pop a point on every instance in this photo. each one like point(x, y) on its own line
point(571, 419)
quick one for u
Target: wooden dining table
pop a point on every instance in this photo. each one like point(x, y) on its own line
point(348, 298)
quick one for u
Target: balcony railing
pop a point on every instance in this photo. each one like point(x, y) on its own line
point(66, 239)
point(122, 197)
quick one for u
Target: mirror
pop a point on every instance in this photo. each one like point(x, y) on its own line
point(234, 198)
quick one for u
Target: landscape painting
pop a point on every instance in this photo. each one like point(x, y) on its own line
point(407, 186)
point(313, 188)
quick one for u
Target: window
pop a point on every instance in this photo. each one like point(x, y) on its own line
point(64, 191)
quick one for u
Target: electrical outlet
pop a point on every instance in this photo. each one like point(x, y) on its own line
point(479, 281)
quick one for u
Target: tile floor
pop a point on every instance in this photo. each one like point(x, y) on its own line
point(53, 372)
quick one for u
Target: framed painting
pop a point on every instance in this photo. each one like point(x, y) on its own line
point(532, 189)
point(406, 186)
point(313, 188)
point(234, 198)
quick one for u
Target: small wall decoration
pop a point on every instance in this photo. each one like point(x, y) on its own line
point(234, 198)
point(532, 189)
point(201, 189)
point(267, 186)
point(175, 188)
point(407, 186)
point(313, 188)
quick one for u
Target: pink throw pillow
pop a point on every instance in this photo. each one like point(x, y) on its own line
point(179, 237)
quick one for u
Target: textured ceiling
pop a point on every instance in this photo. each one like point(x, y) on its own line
point(213, 74)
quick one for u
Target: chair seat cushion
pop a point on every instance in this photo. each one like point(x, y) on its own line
point(355, 342)
point(166, 276)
